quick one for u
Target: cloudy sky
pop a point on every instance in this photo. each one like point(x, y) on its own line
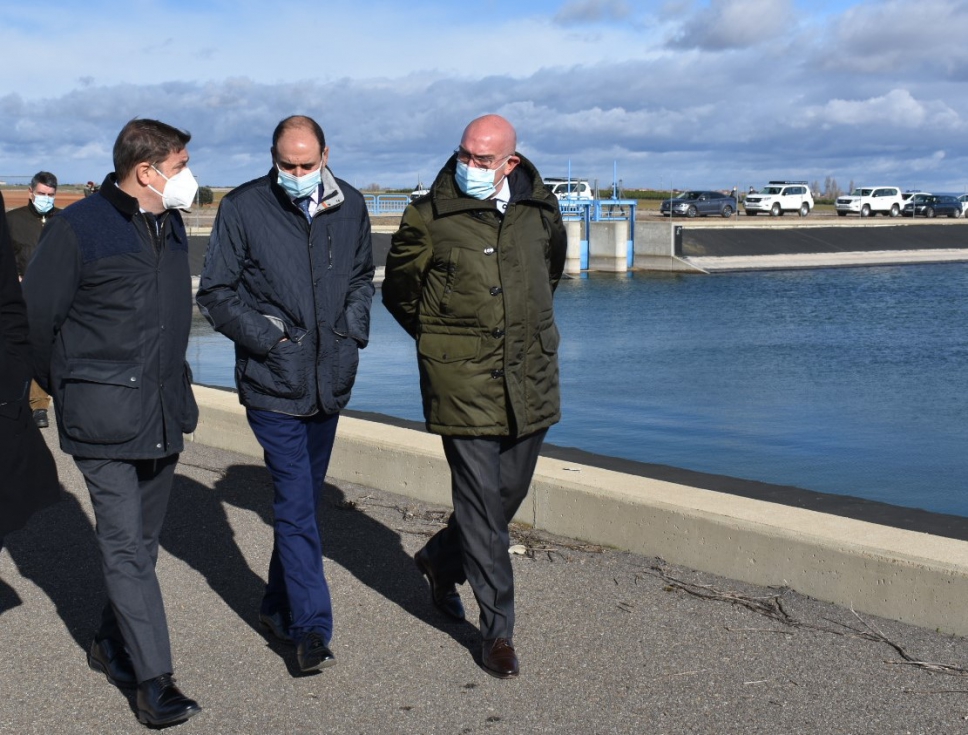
point(685, 93)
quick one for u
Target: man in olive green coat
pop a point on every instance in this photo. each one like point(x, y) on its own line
point(470, 275)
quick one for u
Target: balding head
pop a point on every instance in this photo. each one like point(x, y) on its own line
point(492, 132)
point(489, 143)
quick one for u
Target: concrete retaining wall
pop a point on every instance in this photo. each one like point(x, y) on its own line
point(913, 577)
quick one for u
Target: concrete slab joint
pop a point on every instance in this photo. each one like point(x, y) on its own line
point(912, 577)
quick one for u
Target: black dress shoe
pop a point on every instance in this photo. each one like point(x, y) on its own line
point(499, 658)
point(111, 659)
point(312, 653)
point(40, 418)
point(277, 624)
point(161, 703)
point(444, 596)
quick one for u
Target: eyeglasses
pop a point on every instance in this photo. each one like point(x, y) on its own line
point(479, 161)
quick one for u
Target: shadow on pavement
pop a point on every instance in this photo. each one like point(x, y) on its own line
point(198, 531)
point(58, 552)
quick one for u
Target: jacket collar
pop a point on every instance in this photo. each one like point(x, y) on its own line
point(128, 206)
point(525, 182)
point(124, 203)
point(332, 195)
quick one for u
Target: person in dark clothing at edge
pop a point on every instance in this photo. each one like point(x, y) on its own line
point(28, 475)
point(109, 302)
point(26, 224)
point(470, 275)
point(288, 277)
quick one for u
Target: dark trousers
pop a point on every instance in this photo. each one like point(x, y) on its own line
point(130, 499)
point(297, 451)
point(490, 477)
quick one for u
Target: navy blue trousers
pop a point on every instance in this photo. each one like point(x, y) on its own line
point(297, 451)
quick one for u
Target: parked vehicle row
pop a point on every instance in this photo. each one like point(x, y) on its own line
point(933, 205)
point(870, 200)
point(699, 204)
point(779, 197)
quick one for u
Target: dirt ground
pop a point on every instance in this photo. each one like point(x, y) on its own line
point(15, 198)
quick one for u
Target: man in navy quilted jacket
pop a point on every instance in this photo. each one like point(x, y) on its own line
point(288, 277)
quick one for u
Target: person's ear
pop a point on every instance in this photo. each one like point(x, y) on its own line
point(143, 172)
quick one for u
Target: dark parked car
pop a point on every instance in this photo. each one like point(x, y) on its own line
point(699, 203)
point(932, 205)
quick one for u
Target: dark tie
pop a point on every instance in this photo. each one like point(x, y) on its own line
point(304, 203)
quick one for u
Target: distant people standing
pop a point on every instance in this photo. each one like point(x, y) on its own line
point(470, 276)
point(109, 300)
point(26, 224)
point(28, 475)
point(288, 277)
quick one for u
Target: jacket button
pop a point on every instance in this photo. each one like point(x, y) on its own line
point(495, 290)
point(497, 374)
point(488, 251)
point(497, 333)
point(133, 379)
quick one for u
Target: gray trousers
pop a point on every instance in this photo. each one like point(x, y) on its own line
point(130, 499)
point(490, 477)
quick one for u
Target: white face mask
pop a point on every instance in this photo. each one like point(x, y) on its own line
point(43, 203)
point(180, 189)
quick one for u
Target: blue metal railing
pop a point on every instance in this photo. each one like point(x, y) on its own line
point(386, 203)
point(601, 210)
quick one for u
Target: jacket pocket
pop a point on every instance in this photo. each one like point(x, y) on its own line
point(347, 363)
point(277, 373)
point(448, 347)
point(101, 401)
point(550, 339)
point(189, 412)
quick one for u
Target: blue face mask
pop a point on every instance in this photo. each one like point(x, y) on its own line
point(43, 203)
point(299, 186)
point(477, 182)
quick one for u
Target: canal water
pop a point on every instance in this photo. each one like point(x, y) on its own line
point(846, 381)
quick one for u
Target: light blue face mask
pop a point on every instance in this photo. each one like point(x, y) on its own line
point(300, 186)
point(477, 182)
point(43, 203)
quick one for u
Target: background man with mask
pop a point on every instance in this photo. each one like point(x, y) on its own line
point(109, 304)
point(26, 224)
point(470, 275)
point(288, 277)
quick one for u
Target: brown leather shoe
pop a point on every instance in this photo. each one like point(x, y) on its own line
point(445, 596)
point(499, 658)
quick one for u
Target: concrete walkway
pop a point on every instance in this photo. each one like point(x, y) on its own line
point(610, 642)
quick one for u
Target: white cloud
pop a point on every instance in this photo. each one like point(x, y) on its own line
point(592, 11)
point(899, 39)
point(733, 24)
point(896, 109)
point(747, 90)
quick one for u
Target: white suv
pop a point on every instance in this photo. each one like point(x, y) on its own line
point(779, 197)
point(570, 189)
point(870, 200)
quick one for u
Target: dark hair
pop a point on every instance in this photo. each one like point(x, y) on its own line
point(298, 121)
point(44, 177)
point(146, 140)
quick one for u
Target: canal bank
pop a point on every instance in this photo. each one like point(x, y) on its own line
point(705, 247)
point(709, 246)
point(907, 574)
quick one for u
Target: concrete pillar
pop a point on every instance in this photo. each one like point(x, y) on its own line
point(573, 254)
point(608, 247)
